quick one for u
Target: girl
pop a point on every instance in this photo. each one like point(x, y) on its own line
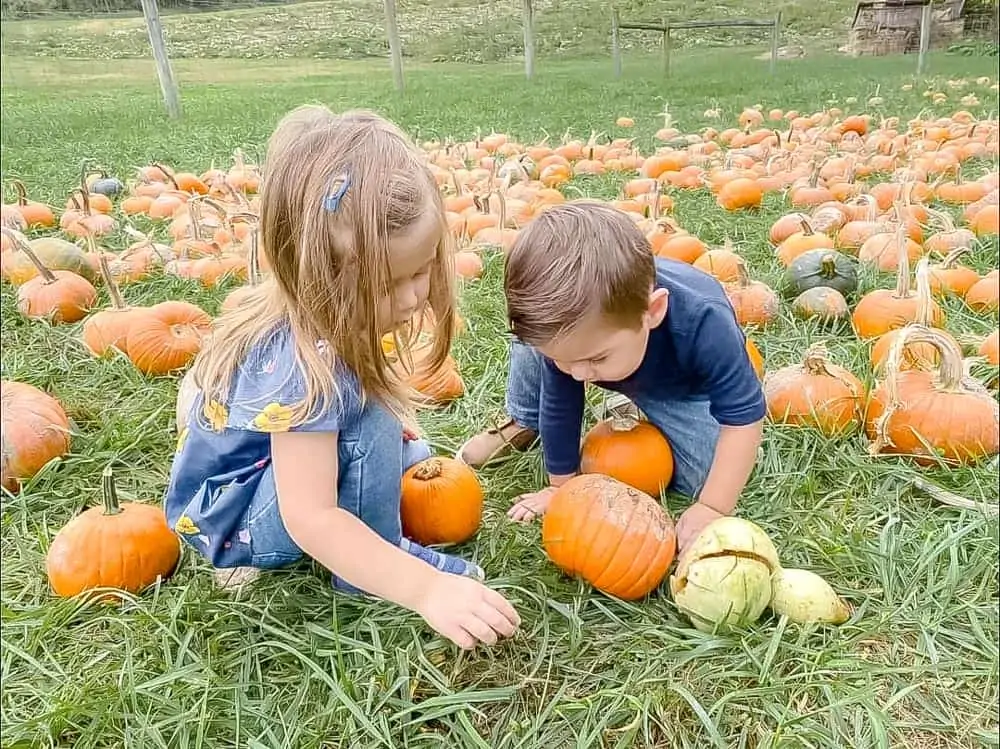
point(295, 441)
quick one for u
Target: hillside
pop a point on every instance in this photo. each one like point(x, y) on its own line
point(432, 30)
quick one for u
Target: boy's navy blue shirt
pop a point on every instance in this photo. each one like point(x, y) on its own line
point(697, 352)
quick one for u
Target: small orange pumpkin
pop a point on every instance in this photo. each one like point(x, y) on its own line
point(754, 302)
point(441, 502)
point(815, 393)
point(168, 337)
point(35, 430)
point(984, 294)
point(60, 296)
point(127, 546)
point(632, 451)
point(617, 538)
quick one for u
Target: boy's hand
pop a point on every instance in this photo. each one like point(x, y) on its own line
point(692, 521)
point(531, 506)
point(466, 611)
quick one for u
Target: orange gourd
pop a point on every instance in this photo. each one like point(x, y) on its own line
point(441, 502)
point(723, 264)
point(740, 193)
point(123, 545)
point(915, 356)
point(756, 360)
point(617, 538)
point(168, 337)
point(932, 416)
point(34, 213)
point(632, 451)
point(815, 393)
point(35, 430)
point(989, 349)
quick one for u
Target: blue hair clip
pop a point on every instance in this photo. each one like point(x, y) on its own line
point(335, 193)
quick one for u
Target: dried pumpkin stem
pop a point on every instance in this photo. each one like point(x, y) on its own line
point(117, 301)
point(902, 264)
point(109, 492)
point(816, 359)
point(951, 499)
point(428, 470)
point(925, 302)
point(828, 265)
point(951, 259)
point(943, 219)
point(742, 275)
point(253, 261)
point(21, 190)
point(168, 172)
point(24, 246)
point(807, 228)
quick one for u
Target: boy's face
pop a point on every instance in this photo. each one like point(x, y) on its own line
point(600, 350)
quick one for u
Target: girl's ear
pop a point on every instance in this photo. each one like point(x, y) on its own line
point(657, 308)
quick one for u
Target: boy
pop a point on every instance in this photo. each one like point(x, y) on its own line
point(588, 302)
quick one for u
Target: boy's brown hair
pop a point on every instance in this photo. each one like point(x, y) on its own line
point(572, 260)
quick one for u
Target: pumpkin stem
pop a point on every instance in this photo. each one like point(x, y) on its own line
point(168, 172)
point(951, 259)
point(742, 276)
point(816, 359)
point(428, 470)
point(109, 492)
point(253, 261)
point(117, 301)
point(654, 200)
point(828, 265)
point(22, 192)
point(807, 229)
point(24, 246)
point(925, 302)
point(903, 261)
point(943, 219)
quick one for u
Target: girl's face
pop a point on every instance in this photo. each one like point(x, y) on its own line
point(412, 254)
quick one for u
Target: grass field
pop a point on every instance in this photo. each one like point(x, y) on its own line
point(430, 30)
point(286, 663)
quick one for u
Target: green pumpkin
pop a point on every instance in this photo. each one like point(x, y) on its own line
point(55, 254)
point(821, 303)
point(824, 267)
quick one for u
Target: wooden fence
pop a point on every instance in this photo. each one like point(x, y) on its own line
point(667, 27)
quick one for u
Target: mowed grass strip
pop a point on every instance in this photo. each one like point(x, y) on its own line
point(286, 663)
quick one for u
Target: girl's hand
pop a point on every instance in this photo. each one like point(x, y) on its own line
point(466, 611)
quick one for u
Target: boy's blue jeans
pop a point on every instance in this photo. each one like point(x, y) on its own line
point(687, 424)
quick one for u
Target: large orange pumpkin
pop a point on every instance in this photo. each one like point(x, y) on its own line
point(34, 429)
point(632, 451)
point(815, 393)
point(932, 416)
point(441, 502)
point(126, 546)
point(107, 330)
point(617, 538)
point(168, 337)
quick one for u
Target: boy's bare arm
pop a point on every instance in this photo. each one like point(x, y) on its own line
point(735, 456)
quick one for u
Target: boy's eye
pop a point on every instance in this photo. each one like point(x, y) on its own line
point(599, 359)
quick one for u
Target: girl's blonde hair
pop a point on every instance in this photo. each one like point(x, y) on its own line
point(329, 259)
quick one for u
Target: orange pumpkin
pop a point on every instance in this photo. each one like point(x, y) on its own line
point(932, 416)
point(739, 193)
point(984, 295)
point(986, 222)
point(951, 277)
point(882, 310)
point(35, 430)
point(127, 546)
point(60, 295)
point(802, 241)
point(915, 356)
point(634, 452)
point(723, 264)
point(754, 302)
point(107, 329)
point(617, 538)
point(168, 337)
point(756, 360)
point(815, 393)
point(989, 349)
point(441, 502)
point(34, 213)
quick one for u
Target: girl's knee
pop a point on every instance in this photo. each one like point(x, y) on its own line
point(414, 451)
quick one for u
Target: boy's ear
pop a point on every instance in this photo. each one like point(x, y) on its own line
point(657, 308)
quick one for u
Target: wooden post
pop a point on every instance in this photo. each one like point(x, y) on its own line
point(775, 37)
point(395, 48)
point(925, 37)
point(616, 50)
point(666, 48)
point(168, 86)
point(529, 38)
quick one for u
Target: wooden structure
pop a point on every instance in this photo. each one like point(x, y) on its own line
point(165, 74)
point(884, 27)
point(667, 27)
